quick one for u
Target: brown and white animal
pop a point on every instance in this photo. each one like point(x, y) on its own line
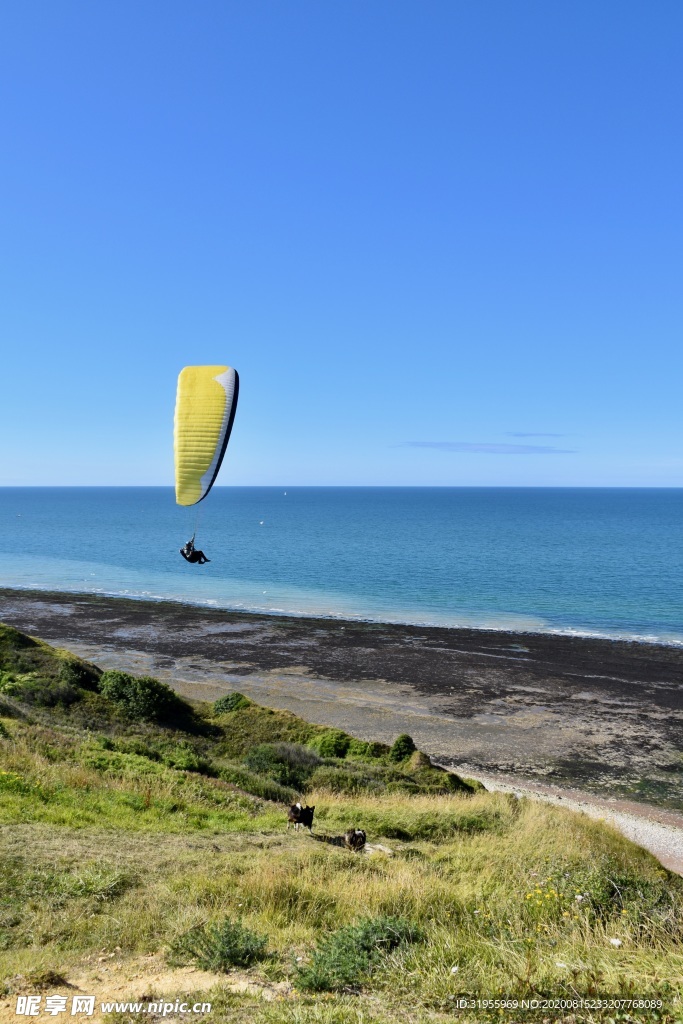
point(354, 839)
point(299, 815)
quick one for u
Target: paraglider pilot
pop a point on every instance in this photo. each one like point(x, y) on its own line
point(190, 554)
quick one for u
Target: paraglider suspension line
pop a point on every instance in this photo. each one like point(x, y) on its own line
point(196, 524)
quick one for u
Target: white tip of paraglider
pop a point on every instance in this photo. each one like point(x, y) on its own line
point(261, 522)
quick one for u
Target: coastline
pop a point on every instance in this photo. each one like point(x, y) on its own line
point(507, 624)
point(603, 716)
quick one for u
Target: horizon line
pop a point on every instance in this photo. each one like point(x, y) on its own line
point(225, 487)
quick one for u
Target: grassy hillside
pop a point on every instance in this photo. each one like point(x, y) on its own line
point(144, 834)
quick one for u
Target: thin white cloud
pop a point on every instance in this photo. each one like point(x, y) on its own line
point(516, 433)
point(488, 449)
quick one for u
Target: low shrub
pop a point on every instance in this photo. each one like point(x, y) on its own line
point(80, 674)
point(231, 702)
point(402, 748)
point(143, 698)
point(347, 957)
point(218, 947)
point(331, 743)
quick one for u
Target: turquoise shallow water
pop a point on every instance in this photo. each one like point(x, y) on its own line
point(604, 562)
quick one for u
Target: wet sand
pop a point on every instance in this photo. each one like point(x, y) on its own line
point(604, 716)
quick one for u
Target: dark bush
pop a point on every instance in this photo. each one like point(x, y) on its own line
point(78, 673)
point(402, 747)
point(218, 947)
point(231, 702)
point(143, 698)
point(289, 764)
point(261, 759)
point(348, 956)
point(331, 743)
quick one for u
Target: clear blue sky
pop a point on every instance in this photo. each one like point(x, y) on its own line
point(432, 236)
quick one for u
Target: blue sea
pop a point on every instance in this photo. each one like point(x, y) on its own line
point(600, 562)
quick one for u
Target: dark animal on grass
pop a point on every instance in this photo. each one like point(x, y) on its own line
point(299, 815)
point(355, 839)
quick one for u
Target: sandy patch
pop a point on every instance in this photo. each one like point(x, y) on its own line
point(144, 980)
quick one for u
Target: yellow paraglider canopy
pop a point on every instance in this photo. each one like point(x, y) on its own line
point(204, 414)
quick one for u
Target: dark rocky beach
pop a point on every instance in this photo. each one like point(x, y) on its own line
point(603, 715)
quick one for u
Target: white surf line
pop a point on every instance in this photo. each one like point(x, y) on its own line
point(643, 826)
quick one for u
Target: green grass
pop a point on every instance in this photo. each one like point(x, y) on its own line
point(139, 839)
point(109, 789)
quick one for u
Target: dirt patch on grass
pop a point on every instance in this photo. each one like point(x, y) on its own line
point(145, 980)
